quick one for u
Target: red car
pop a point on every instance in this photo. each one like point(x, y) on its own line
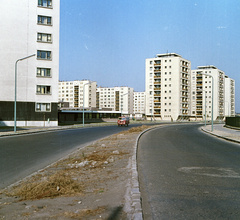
point(123, 121)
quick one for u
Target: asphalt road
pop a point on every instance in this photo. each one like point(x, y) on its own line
point(21, 155)
point(187, 174)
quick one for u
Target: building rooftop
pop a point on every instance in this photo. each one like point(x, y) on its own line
point(169, 55)
point(207, 67)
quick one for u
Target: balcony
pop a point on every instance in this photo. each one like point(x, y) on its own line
point(157, 69)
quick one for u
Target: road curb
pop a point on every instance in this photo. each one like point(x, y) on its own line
point(219, 136)
point(136, 198)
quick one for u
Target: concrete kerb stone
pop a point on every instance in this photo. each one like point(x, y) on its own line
point(219, 136)
point(135, 192)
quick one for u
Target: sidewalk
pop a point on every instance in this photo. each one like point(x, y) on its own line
point(219, 130)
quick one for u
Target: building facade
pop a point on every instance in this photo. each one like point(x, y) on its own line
point(139, 104)
point(74, 92)
point(167, 87)
point(229, 96)
point(207, 86)
point(29, 27)
point(116, 98)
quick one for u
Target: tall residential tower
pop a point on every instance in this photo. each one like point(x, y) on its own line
point(167, 87)
point(207, 85)
point(29, 27)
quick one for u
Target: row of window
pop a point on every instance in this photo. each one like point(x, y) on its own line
point(44, 90)
point(44, 72)
point(43, 37)
point(47, 55)
point(159, 74)
point(45, 3)
point(43, 107)
point(45, 20)
point(158, 61)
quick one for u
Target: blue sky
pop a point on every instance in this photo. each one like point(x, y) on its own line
point(107, 41)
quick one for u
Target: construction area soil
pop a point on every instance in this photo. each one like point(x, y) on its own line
point(91, 183)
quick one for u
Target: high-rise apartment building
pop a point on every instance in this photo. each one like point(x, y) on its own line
point(29, 27)
point(167, 87)
point(203, 88)
point(117, 98)
point(73, 92)
point(229, 96)
point(139, 99)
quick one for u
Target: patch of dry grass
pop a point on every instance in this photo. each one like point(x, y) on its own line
point(136, 129)
point(57, 184)
point(59, 179)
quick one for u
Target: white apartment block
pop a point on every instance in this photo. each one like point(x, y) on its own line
point(229, 96)
point(29, 27)
point(74, 92)
point(117, 98)
point(139, 99)
point(202, 90)
point(167, 87)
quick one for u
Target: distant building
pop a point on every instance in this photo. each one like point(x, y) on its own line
point(72, 92)
point(167, 87)
point(202, 93)
point(29, 27)
point(229, 96)
point(116, 98)
point(139, 99)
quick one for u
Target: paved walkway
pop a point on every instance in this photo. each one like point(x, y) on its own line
point(221, 131)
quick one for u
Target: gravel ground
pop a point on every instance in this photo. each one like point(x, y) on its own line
point(92, 183)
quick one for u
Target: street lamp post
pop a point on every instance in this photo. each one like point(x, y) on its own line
point(212, 95)
point(15, 99)
point(83, 98)
point(121, 101)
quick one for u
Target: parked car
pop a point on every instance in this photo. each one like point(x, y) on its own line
point(123, 121)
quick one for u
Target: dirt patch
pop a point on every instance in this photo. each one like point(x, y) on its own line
point(91, 183)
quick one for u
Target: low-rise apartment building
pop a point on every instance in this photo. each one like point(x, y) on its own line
point(115, 98)
point(139, 99)
point(167, 87)
point(73, 92)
